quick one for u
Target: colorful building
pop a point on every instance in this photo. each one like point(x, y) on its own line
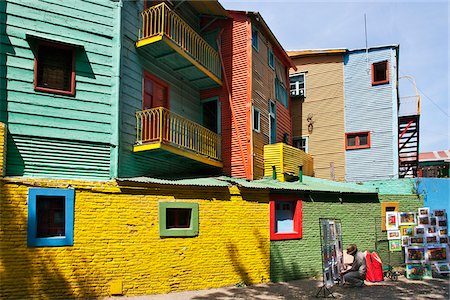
point(351, 114)
point(434, 164)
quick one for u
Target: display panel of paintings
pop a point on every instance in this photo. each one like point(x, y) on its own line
point(415, 254)
point(442, 268)
point(332, 250)
point(407, 218)
point(437, 253)
point(391, 220)
point(395, 245)
point(418, 271)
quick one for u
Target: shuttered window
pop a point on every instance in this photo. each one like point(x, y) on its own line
point(357, 140)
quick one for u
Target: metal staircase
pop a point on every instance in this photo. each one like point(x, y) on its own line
point(408, 134)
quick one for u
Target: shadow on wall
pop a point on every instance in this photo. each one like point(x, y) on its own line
point(30, 272)
point(6, 50)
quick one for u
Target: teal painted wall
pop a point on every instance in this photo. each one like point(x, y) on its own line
point(184, 98)
point(68, 135)
point(436, 192)
point(361, 225)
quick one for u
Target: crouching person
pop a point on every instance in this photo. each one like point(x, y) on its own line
point(356, 275)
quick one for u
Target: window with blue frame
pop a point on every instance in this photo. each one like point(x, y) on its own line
point(50, 217)
point(255, 42)
point(281, 93)
point(271, 59)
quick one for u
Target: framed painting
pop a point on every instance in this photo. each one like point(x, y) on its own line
point(415, 254)
point(395, 245)
point(417, 240)
point(418, 271)
point(433, 221)
point(442, 231)
point(423, 220)
point(424, 211)
point(432, 239)
point(443, 240)
point(407, 218)
point(439, 213)
point(431, 230)
point(420, 230)
point(391, 220)
point(442, 268)
point(441, 222)
point(393, 234)
point(405, 241)
point(437, 253)
point(407, 230)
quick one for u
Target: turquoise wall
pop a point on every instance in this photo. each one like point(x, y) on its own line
point(184, 98)
point(436, 192)
point(55, 135)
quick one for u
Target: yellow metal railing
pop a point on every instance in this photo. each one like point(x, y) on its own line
point(161, 20)
point(161, 125)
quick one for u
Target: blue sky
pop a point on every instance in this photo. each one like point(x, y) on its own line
point(420, 27)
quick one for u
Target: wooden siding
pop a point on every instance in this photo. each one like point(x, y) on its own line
point(88, 116)
point(184, 98)
point(53, 158)
point(325, 102)
point(374, 109)
point(263, 90)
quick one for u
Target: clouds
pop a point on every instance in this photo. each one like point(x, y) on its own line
point(421, 29)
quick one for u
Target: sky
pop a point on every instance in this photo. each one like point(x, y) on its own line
point(421, 28)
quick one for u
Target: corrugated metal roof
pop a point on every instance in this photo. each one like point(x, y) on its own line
point(309, 184)
point(206, 182)
point(435, 155)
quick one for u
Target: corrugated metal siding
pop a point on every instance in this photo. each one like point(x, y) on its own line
point(325, 102)
point(84, 118)
point(184, 98)
point(45, 157)
point(374, 109)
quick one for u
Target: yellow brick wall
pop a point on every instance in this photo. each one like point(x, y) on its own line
point(2, 148)
point(116, 237)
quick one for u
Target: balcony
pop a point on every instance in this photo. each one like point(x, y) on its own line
point(284, 161)
point(170, 40)
point(171, 138)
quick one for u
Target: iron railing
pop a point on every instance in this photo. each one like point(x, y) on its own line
point(161, 125)
point(161, 20)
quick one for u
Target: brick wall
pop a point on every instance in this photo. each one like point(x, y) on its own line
point(361, 225)
point(116, 237)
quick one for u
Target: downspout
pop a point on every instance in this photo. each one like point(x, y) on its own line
point(115, 93)
point(230, 100)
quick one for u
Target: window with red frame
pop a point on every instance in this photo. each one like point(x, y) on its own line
point(285, 218)
point(50, 216)
point(55, 69)
point(178, 218)
point(156, 92)
point(357, 140)
point(380, 72)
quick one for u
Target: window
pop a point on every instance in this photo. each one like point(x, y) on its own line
point(255, 42)
point(54, 69)
point(380, 72)
point(357, 140)
point(271, 59)
point(272, 122)
point(285, 218)
point(281, 92)
point(297, 85)
point(301, 143)
point(178, 219)
point(256, 119)
point(50, 217)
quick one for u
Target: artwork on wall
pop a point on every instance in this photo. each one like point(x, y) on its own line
point(407, 230)
point(424, 211)
point(417, 240)
point(439, 213)
point(407, 218)
point(391, 220)
point(393, 234)
point(423, 220)
point(395, 245)
point(443, 231)
point(442, 268)
point(432, 239)
point(419, 230)
point(418, 271)
point(332, 252)
point(437, 253)
point(414, 254)
point(433, 221)
point(443, 239)
point(405, 241)
point(442, 222)
point(431, 230)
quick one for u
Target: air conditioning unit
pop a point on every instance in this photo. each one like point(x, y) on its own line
point(297, 91)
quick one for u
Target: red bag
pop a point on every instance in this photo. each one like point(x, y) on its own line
point(374, 267)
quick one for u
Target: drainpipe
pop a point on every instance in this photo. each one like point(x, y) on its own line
point(115, 93)
point(300, 174)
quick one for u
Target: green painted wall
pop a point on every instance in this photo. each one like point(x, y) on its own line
point(184, 98)
point(361, 224)
point(60, 123)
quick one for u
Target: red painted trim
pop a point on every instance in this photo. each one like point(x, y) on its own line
point(158, 81)
point(387, 73)
point(298, 219)
point(357, 134)
point(72, 79)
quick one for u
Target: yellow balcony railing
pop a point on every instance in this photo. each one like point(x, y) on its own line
point(161, 20)
point(159, 125)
